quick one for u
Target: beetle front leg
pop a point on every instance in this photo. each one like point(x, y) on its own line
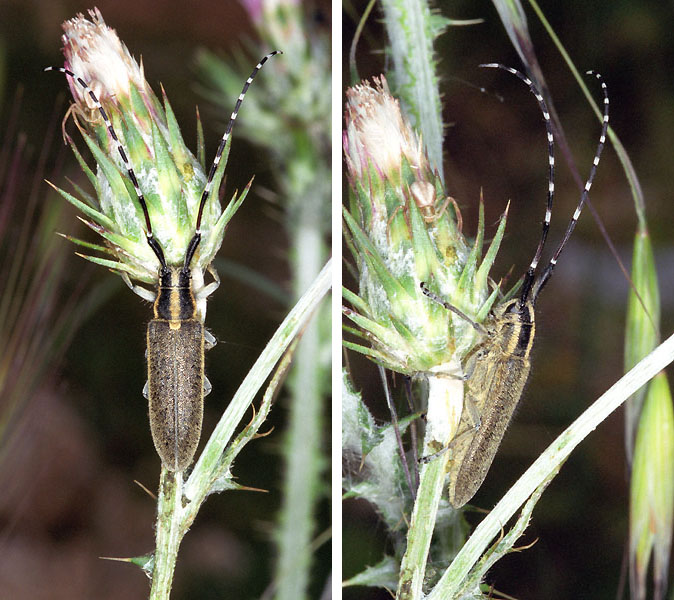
point(207, 290)
point(144, 293)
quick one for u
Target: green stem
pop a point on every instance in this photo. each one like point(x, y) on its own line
point(354, 43)
point(545, 465)
point(411, 34)
point(169, 533)
point(207, 469)
point(179, 502)
point(413, 566)
point(303, 443)
point(445, 403)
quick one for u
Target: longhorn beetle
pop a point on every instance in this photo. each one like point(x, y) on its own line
point(176, 338)
point(498, 367)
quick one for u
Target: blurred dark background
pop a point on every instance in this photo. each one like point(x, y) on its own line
point(68, 492)
point(581, 523)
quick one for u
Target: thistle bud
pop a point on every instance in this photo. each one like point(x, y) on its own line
point(169, 176)
point(404, 232)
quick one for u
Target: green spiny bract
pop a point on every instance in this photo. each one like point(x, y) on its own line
point(403, 231)
point(169, 175)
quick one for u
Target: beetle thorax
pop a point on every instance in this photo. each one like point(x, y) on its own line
point(175, 300)
point(512, 328)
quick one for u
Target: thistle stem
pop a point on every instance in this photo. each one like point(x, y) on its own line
point(179, 503)
point(548, 464)
point(303, 441)
point(445, 401)
point(411, 34)
point(169, 533)
point(413, 566)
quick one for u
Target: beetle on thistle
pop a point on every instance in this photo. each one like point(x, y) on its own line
point(497, 368)
point(176, 337)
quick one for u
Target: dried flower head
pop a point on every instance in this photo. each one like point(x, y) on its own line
point(377, 132)
point(94, 51)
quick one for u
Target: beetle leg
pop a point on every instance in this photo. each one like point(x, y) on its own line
point(209, 340)
point(459, 437)
point(146, 390)
point(207, 290)
point(473, 413)
point(144, 293)
point(207, 387)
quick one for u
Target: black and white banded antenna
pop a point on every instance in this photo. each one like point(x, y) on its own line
point(531, 271)
point(534, 284)
point(156, 248)
point(194, 242)
point(547, 272)
point(218, 155)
